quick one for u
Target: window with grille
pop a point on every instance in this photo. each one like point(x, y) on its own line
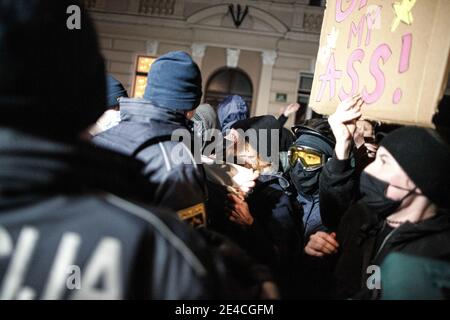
point(143, 65)
point(304, 93)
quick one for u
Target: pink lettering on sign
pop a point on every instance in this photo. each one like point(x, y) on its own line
point(356, 31)
point(357, 55)
point(330, 76)
point(405, 56)
point(362, 4)
point(342, 15)
point(363, 24)
point(397, 96)
point(383, 52)
point(373, 21)
point(405, 53)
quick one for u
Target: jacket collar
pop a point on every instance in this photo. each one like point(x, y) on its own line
point(405, 232)
point(304, 198)
point(438, 223)
point(142, 111)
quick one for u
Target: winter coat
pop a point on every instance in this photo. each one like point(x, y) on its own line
point(275, 238)
point(145, 133)
point(359, 228)
point(67, 224)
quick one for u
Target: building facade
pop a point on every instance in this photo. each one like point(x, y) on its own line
point(262, 50)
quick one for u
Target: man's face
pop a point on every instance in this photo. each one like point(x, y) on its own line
point(366, 127)
point(306, 167)
point(387, 169)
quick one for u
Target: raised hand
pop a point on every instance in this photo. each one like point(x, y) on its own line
point(290, 109)
point(343, 124)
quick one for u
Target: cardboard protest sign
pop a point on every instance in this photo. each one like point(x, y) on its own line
point(394, 53)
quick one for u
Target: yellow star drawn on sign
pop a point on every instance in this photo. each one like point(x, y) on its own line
point(403, 13)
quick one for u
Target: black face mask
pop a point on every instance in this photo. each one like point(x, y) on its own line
point(374, 192)
point(305, 182)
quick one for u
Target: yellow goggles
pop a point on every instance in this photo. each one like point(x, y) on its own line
point(309, 158)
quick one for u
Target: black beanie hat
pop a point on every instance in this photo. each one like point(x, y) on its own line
point(318, 127)
point(263, 125)
point(52, 78)
point(174, 82)
point(425, 157)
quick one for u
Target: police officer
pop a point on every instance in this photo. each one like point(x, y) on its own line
point(147, 131)
point(66, 231)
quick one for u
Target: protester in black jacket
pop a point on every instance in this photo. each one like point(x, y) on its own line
point(400, 204)
point(270, 216)
point(66, 230)
point(307, 157)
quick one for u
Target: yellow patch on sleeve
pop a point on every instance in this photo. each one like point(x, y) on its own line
point(195, 215)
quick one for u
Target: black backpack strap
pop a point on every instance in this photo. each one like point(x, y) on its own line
point(150, 143)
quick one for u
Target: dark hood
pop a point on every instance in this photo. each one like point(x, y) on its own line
point(267, 145)
point(230, 110)
point(307, 182)
point(141, 122)
point(144, 112)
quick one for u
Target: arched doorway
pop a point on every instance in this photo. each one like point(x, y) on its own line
point(228, 81)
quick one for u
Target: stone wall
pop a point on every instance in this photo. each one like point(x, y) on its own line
point(276, 41)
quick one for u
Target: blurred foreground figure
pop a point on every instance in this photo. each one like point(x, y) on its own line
point(65, 231)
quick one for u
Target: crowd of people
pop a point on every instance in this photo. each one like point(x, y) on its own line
point(103, 196)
